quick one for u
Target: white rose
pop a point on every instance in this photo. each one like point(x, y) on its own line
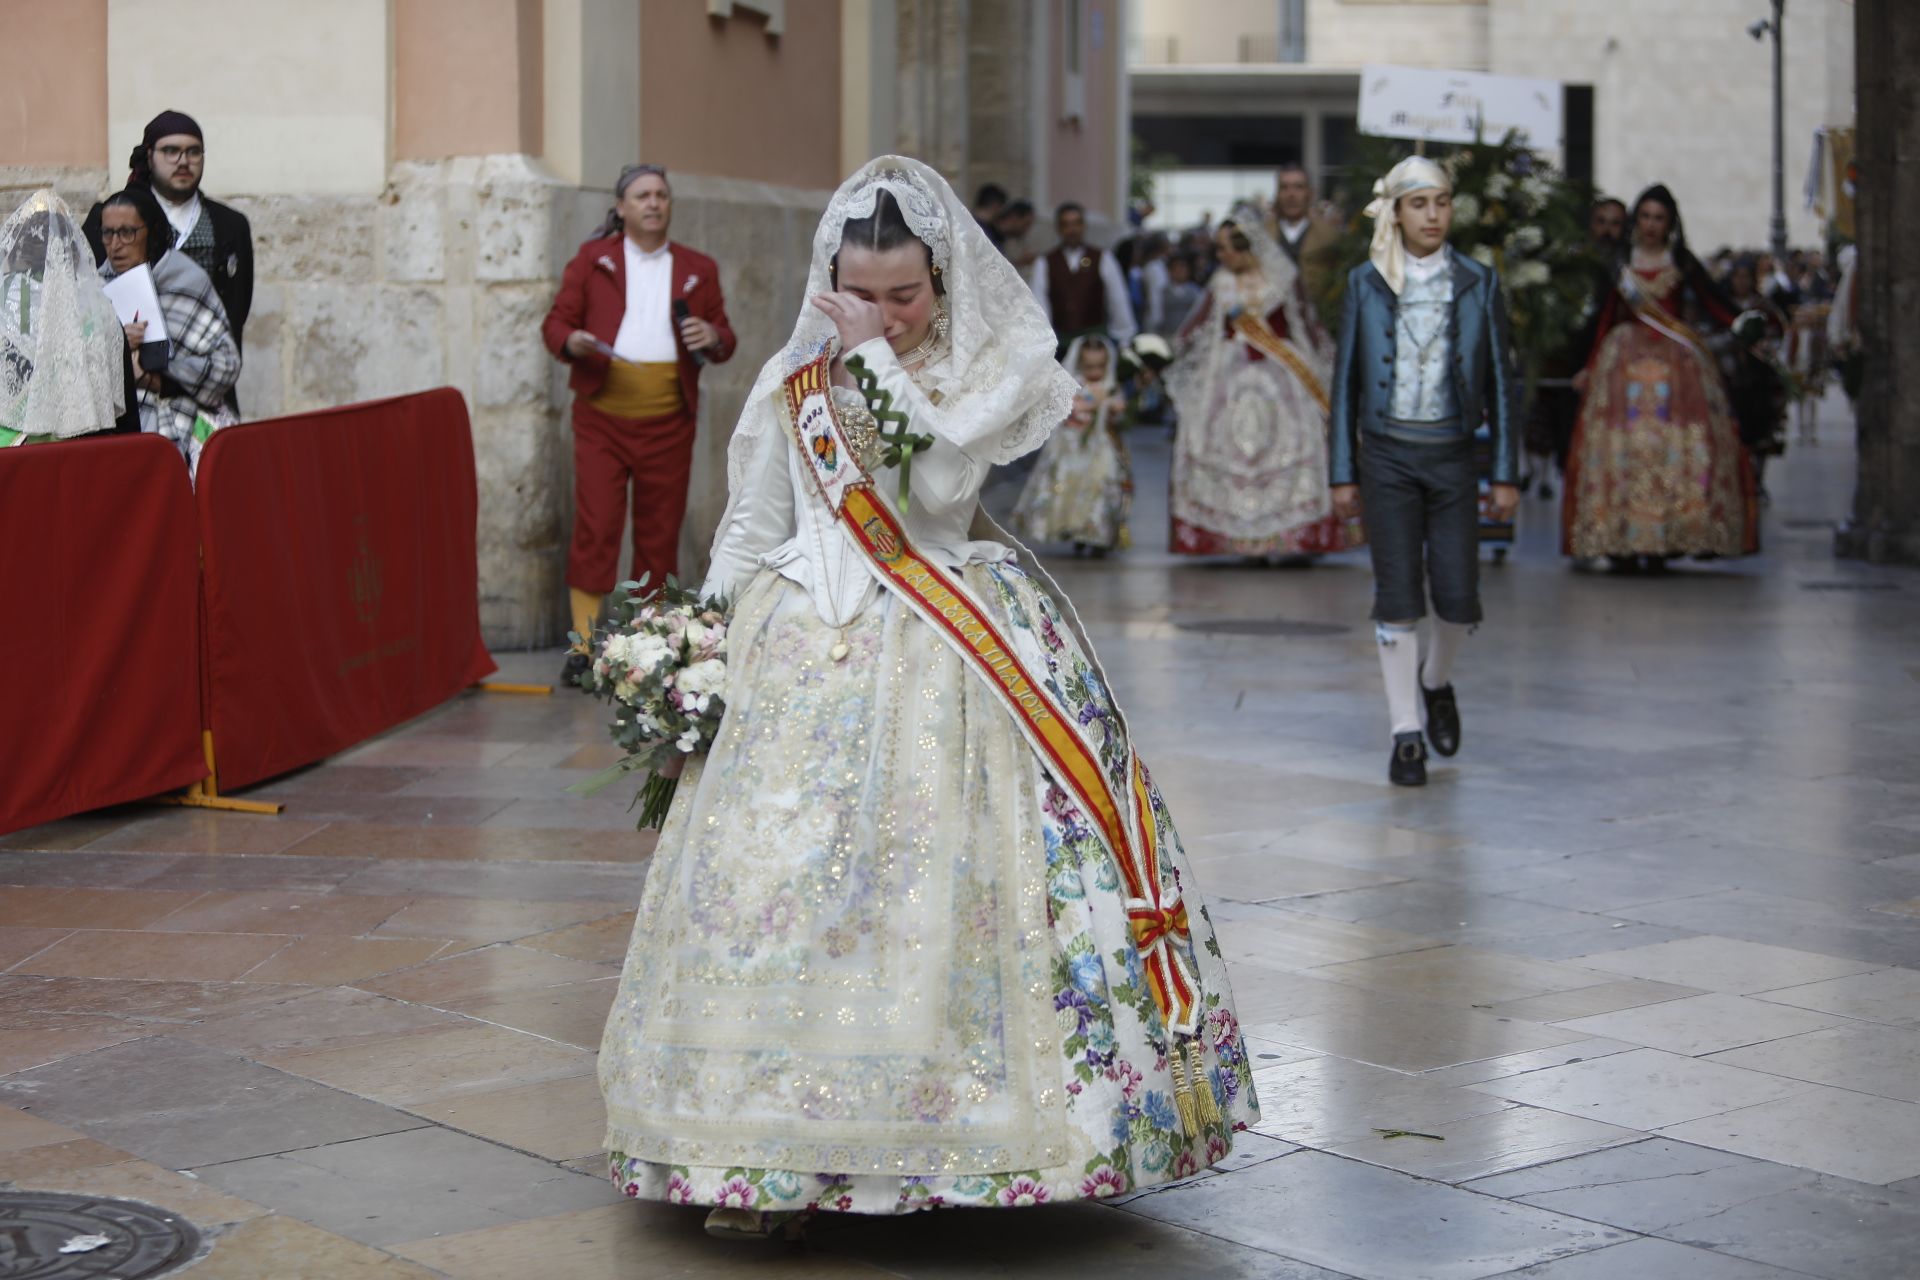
point(1531, 274)
point(1536, 188)
point(1466, 210)
point(701, 677)
point(646, 651)
point(1526, 239)
point(1483, 255)
point(1498, 186)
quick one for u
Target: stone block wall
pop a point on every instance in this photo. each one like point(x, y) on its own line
point(443, 279)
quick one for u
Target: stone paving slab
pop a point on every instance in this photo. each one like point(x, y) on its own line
point(1645, 958)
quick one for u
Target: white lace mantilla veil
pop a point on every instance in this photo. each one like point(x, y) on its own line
point(998, 376)
point(59, 338)
point(1195, 353)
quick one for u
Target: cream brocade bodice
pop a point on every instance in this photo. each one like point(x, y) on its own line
point(780, 523)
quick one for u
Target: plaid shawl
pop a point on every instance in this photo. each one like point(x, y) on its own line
point(204, 362)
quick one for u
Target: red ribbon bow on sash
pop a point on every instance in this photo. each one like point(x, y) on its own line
point(1153, 924)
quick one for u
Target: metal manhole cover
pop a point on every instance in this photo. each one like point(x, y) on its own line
point(1850, 586)
point(1262, 627)
point(50, 1235)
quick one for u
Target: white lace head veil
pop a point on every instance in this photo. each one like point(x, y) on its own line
point(1208, 352)
point(997, 370)
point(1275, 265)
point(1071, 361)
point(60, 342)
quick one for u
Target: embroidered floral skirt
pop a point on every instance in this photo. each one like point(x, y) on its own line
point(1080, 490)
point(1656, 465)
point(881, 962)
point(1250, 466)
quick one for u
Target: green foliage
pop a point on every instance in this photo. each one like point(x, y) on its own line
point(1513, 211)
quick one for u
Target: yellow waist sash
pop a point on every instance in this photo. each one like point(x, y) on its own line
point(640, 390)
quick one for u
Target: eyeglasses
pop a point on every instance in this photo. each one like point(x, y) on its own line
point(121, 233)
point(174, 155)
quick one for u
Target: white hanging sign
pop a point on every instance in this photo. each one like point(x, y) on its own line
point(1454, 106)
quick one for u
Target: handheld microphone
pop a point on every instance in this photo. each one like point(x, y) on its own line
point(680, 313)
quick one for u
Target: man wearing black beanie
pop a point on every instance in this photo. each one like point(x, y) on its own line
point(171, 159)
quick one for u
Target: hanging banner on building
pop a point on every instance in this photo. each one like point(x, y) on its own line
point(1458, 106)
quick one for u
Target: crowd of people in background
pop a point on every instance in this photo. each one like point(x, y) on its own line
point(1163, 309)
point(1771, 334)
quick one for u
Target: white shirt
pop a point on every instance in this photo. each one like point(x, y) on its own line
point(1120, 322)
point(1293, 230)
point(184, 216)
point(646, 327)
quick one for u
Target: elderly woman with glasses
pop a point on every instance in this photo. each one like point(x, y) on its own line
point(636, 317)
point(183, 382)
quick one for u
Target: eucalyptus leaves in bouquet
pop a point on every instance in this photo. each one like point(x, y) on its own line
point(661, 661)
point(1513, 211)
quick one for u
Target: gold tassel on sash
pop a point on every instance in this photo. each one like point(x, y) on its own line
point(1183, 1099)
point(1209, 1106)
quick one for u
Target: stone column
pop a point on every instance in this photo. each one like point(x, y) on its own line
point(1002, 97)
point(1885, 526)
point(933, 97)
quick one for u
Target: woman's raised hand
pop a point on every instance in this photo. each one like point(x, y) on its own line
point(857, 319)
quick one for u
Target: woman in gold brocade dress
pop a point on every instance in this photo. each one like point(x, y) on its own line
point(1656, 468)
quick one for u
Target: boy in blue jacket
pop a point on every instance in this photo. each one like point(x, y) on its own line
point(1424, 359)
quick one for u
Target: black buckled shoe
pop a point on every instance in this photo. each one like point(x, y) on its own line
point(1443, 718)
point(576, 665)
point(1408, 767)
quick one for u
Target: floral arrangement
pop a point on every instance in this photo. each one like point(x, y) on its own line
point(661, 660)
point(1513, 211)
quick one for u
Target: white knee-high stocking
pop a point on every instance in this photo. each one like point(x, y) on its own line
point(1399, 645)
point(1443, 645)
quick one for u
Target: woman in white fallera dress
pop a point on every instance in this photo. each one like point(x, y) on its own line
point(884, 959)
point(1250, 375)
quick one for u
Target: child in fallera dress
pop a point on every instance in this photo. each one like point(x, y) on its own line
point(1081, 488)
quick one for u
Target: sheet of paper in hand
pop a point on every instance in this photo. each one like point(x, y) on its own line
point(134, 298)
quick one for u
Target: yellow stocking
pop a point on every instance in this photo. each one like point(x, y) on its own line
point(585, 609)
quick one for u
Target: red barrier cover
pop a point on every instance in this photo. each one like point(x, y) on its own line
point(100, 677)
point(341, 578)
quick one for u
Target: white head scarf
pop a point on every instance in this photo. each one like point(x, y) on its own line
point(996, 379)
point(1389, 252)
point(60, 341)
point(1071, 361)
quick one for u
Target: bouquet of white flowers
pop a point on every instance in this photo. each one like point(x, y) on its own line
point(661, 660)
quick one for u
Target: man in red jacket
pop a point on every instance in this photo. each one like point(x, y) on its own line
point(636, 317)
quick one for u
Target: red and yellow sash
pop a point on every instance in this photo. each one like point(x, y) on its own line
point(1659, 319)
point(1261, 337)
point(1126, 824)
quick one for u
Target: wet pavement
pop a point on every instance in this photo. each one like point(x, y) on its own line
point(1642, 963)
